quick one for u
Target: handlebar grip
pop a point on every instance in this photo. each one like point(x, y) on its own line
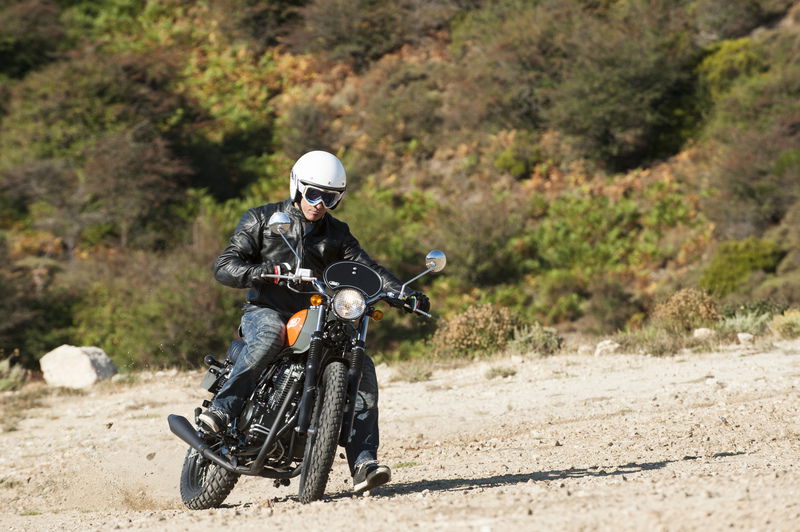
point(417, 311)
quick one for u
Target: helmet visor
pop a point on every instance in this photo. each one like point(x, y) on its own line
point(315, 195)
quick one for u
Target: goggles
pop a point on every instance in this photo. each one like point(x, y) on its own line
point(315, 195)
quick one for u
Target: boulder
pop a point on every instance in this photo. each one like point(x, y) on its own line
point(76, 367)
point(704, 333)
point(745, 338)
point(606, 347)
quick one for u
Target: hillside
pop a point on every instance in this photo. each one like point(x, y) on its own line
point(579, 162)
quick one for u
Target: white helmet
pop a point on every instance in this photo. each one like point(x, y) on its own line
point(318, 170)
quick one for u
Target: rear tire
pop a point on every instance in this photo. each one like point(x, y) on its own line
point(327, 420)
point(204, 484)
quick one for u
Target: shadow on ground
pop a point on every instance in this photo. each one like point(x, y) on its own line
point(459, 484)
point(466, 484)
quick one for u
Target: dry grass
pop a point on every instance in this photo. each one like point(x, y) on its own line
point(500, 371)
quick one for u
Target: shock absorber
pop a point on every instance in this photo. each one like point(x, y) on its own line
point(310, 383)
point(356, 363)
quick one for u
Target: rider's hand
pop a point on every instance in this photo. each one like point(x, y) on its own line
point(283, 268)
point(395, 302)
point(422, 301)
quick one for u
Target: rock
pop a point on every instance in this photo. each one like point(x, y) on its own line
point(606, 347)
point(76, 367)
point(745, 338)
point(703, 333)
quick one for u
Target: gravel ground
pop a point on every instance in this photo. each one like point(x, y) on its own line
point(622, 442)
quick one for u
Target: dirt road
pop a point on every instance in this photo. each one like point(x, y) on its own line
point(694, 442)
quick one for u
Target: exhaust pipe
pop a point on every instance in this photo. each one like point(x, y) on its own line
point(184, 430)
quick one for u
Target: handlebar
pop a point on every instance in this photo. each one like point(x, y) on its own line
point(315, 281)
point(297, 278)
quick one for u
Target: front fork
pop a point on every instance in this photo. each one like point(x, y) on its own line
point(312, 368)
point(356, 359)
point(355, 362)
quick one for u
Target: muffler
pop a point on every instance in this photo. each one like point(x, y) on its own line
point(184, 430)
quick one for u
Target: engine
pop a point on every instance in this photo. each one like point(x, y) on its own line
point(260, 412)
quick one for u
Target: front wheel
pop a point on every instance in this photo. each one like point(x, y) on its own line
point(327, 422)
point(204, 484)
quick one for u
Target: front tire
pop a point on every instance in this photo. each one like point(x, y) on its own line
point(204, 484)
point(327, 420)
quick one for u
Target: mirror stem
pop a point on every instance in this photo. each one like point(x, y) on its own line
point(403, 288)
point(290, 247)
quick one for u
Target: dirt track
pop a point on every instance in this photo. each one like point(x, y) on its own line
point(574, 442)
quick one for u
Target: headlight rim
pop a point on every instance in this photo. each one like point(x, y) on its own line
point(338, 297)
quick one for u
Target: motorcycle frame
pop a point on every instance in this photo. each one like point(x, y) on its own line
point(316, 359)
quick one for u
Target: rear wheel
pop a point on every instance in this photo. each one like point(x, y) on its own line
point(204, 484)
point(321, 444)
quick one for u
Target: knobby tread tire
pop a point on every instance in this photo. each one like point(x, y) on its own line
point(327, 418)
point(201, 490)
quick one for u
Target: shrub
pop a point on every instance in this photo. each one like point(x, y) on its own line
point(158, 311)
point(787, 325)
point(413, 371)
point(751, 322)
point(363, 30)
point(735, 261)
point(560, 294)
point(623, 96)
point(716, 19)
point(652, 339)
point(732, 60)
point(657, 340)
point(500, 371)
point(12, 376)
point(785, 289)
point(479, 330)
point(686, 310)
point(611, 306)
point(535, 339)
point(755, 141)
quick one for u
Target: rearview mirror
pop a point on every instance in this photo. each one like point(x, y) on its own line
point(435, 260)
point(279, 223)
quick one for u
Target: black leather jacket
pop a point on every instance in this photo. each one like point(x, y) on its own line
point(252, 246)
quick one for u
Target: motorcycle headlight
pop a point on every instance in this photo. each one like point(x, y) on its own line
point(349, 304)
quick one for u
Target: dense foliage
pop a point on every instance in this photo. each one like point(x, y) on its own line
point(578, 161)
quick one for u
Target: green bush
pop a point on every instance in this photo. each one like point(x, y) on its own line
point(30, 34)
point(724, 19)
point(12, 376)
point(500, 371)
point(361, 31)
point(735, 261)
point(479, 330)
point(624, 95)
point(156, 313)
point(656, 340)
point(559, 295)
point(686, 310)
point(787, 325)
point(755, 175)
point(754, 323)
point(784, 289)
point(533, 338)
point(732, 60)
point(611, 306)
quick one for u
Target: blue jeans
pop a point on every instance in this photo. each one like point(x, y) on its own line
point(264, 334)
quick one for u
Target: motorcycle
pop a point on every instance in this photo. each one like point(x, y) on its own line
point(304, 404)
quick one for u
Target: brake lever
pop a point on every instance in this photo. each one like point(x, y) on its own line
point(415, 310)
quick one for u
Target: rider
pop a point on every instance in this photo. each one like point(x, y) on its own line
point(317, 184)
